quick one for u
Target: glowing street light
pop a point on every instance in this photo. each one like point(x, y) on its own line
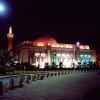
point(1, 8)
point(74, 50)
point(4, 9)
point(77, 43)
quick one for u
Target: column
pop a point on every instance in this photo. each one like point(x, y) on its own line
point(49, 55)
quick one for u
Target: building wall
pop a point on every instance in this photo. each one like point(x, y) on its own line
point(38, 56)
point(23, 56)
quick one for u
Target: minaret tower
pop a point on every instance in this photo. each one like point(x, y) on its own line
point(10, 37)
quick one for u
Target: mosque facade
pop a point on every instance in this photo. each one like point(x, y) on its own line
point(46, 50)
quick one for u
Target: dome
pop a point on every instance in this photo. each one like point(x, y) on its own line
point(45, 41)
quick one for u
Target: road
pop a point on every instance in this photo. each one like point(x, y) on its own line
point(65, 87)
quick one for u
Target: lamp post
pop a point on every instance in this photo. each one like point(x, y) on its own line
point(75, 47)
point(74, 57)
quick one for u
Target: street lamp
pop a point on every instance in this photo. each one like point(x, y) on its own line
point(75, 47)
point(77, 44)
point(4, 9)
point(1, 8)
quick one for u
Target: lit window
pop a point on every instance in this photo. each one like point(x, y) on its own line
point(87, 47)
point(42, 54)
point(53, 45)
point(58, 55)
point(81, 47)
point(70, 46)
point(48, 44)
point(61, 46)
point(40, 44)
point(63, 55)
point(37, 54)
point(57, 45)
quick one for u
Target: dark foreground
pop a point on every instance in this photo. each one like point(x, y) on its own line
point(77, 86)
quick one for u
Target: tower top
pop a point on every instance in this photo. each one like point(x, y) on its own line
point(10, 34)
point(10, 29)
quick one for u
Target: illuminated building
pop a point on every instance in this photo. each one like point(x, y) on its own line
point(46, 50)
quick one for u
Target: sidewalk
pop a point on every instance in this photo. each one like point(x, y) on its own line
point(65, 87)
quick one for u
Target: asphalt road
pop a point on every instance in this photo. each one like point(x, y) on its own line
point(85, 86)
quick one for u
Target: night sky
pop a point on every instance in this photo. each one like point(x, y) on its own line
point(67, 22)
